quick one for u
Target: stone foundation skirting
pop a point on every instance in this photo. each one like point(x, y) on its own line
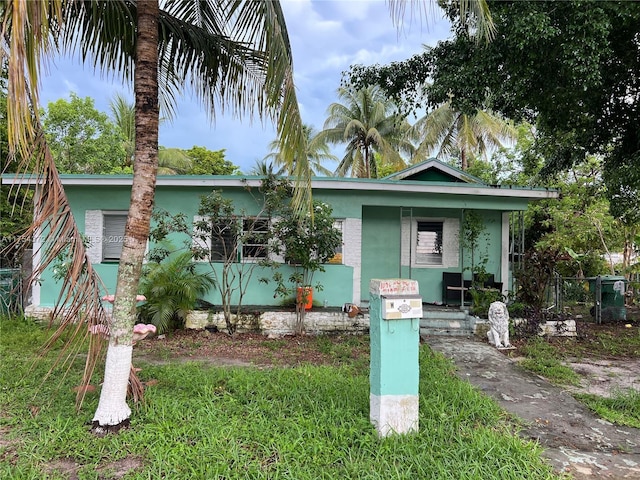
point(281, 322)
point(267, 323)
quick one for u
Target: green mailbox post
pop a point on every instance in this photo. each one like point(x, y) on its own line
point(395, 310)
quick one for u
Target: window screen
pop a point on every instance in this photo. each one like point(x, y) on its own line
point(113, 235)
point(429, 243)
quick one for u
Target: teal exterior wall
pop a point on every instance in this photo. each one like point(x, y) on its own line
point(336, 280)
point(380, 244)
point(380, 212)
point(382, 257)
point(488, 247)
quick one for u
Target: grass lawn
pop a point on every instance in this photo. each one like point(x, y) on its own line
point(203, 422)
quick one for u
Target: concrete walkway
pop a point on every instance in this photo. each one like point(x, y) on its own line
point(574, 439)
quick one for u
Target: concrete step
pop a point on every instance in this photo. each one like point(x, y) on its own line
point(447, 323)
point(448, 314)
point(445, 332)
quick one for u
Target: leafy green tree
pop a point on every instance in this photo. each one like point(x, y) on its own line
point(173, 161)
point(384, 169)
point(210, 162)
point(365, 122)
point(570, 68)
point(306, 245)
point(82, 139)
point(579, 222)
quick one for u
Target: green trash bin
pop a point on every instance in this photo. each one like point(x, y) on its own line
point(613, 288)
point(10, 290)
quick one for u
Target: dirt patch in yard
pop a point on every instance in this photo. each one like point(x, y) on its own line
point(605, 377)
point(252, 349)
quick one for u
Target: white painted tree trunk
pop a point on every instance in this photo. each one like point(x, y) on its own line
point(113, 411)
point(113, 408)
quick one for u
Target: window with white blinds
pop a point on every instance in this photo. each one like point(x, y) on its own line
point(429, 243)
point(112, 235)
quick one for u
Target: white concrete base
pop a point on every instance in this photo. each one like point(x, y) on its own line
point(274, 323)
point(394, 413)
point(282, 322)
point(38, 313)
point(559, 329)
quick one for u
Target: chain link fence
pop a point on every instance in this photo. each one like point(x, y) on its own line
point(602, 298)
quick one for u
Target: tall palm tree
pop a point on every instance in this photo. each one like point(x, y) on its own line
point(171, 161)
point(316, 152)
point(366, 122)
point(123, 114)
point(266, 168)
point(233, 54)
point(445, 132)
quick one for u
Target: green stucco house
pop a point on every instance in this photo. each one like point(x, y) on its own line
point(408, 225)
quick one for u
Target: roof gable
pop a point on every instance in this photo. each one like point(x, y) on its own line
point(433, 170)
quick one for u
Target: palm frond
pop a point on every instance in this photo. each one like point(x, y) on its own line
point(79, 309)
point(25, 44)
point(473, 13)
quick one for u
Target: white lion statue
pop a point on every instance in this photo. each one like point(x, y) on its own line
point(498, 333)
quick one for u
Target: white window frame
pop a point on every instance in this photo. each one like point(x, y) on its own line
point(240, 256)
point(450, 242)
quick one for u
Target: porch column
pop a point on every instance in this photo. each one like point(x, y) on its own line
point(395, 309)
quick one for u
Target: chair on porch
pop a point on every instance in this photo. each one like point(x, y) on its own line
point(454, 288)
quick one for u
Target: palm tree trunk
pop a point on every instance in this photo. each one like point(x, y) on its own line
point(113, 411)
point(367, 168)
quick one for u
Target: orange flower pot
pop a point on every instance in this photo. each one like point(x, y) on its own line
point(305, 297)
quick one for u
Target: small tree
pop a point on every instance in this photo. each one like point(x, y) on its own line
point(306, 243)
point(472, 229)
point(225, 237)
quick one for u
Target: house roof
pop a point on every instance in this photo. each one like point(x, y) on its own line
point(434, 170)
point(393, 183)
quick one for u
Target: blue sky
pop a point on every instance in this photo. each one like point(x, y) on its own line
point(327, 36)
